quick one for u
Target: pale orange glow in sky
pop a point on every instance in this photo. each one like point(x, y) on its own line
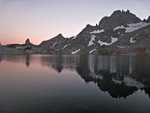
point(41, 20)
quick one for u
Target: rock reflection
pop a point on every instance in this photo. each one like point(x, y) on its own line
point(0, 58)
point(16, 59)
point(27, 60)
point(60, 62)
point(120, 76)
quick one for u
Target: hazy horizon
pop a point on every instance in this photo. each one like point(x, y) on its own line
point(41, 20)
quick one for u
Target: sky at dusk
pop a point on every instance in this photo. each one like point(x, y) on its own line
point(41, 20)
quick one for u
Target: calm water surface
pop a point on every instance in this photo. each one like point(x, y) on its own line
point(74, 84)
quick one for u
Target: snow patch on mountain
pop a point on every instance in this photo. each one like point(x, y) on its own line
point(136, 26)
point(132, 27)
point(74, 37)
point(74, 52)
point(97, 31)
point(132, 40)
point(113, 40)
point(92, 51)
point(54, 44)
point(91, 41)
point(119, 27)
point(66, 46)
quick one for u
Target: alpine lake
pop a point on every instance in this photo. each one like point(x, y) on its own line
point(74, 84)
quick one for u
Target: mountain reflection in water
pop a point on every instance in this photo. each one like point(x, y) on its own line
point(120, 76)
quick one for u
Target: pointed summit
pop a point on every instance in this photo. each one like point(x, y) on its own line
point(60, 36)
point(55, 42)
point(27, 42)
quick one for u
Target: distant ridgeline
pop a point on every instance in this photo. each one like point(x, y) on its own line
point(122, 33)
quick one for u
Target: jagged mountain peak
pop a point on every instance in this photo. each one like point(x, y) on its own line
point(118, 12)
point(59, 36)
point(112, 33)
point(118, 18)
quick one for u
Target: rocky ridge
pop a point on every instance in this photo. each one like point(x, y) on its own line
point(121, 33)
